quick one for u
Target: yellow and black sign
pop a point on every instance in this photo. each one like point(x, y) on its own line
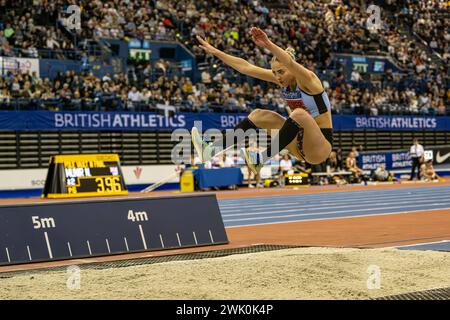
point(296, 180)
point(84, 175)
point(187, 183)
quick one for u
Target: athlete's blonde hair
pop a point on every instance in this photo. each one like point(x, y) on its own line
point(289, 50)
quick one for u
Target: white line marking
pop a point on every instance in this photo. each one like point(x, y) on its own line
point(70, 249)
point(313, 203)
point(143, 237)
point(325, 196)
point(162, 242)
point(107, 245)
point(320, 213)
point(349, 191)
point(89, 247)
point(7, 254)
point(419, 244)
point(29, 253)
point(300, 207)
point(210, 234)
point(178, 237)
point(315, 198)
point(50, 254)
point(195, 237)
point(336, 218)
point(126, 244)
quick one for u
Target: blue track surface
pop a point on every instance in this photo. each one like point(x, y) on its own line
point(332, 205)
point(335, 205)
point(435, 246)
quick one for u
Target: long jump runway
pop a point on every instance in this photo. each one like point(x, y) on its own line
point(333, 205)
point(368, 217)
point(402, 216)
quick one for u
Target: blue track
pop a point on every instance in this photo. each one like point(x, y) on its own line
point(335, 205)
point(435, 246)
point(332, 205)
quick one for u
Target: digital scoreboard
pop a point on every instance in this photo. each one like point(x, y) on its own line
point(86, 175)
point(296, 180)
point(139, 50)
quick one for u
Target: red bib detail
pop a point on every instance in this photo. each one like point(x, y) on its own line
point(294, 104)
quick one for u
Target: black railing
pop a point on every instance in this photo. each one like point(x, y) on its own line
point(32, 149)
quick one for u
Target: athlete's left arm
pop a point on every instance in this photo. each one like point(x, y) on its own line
point(306, 78)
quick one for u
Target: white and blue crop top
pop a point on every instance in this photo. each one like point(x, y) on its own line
point(315, 105)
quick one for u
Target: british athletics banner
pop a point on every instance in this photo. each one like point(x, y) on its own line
point(392, 160)
point(391, 123)
point(46, 120)
point(401, 159)
point(169, 120)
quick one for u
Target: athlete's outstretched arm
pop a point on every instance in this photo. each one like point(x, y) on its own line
point(238, 64)
point(305, 77)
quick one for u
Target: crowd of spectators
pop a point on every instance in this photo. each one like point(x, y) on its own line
point(430, 21)
point(386, 97)
point(85, 91)
point(314, 28)
point(29, 25)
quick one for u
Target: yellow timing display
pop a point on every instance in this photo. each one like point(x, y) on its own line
point(108, 184)
point(298, 179)
point(84, 175)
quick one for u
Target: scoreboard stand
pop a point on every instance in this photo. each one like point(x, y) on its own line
point(82, 228)
point(86, 175)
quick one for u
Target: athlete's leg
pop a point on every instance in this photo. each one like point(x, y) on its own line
point(258, 118)
point(316, 146)
point(207, 150)
point(269, 120)
point(266, 119)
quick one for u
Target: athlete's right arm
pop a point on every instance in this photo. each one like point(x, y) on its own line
point(238, 64)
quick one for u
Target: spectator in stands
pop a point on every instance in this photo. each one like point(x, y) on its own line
point(134, 97)
point(228, 160)
point(217, 162)
point(417, 157)
point(76, 101)
point(206, 78)
point(332, 166)
point(332, 162)
point(4, 96)
point(8, 32)
point(355, 77)
point(427, 172)
point(361, 148)
point(381, 174)
point(3, 40)
point(340, 159)
point(286, 164)
point(355, 152)
point(352, 166)
point(254, 149)
point(301, 167)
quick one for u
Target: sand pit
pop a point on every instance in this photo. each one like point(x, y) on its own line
point(303, 273)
